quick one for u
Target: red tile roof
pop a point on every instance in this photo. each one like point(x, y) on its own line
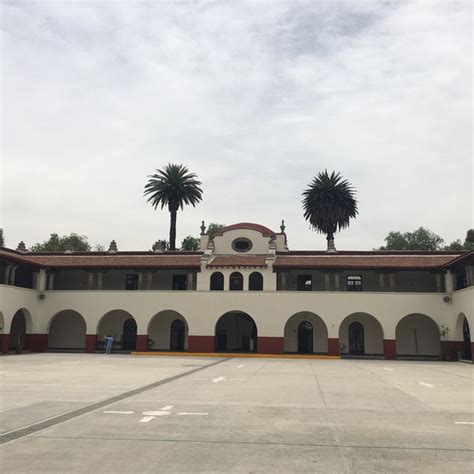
point(105, 260)
point(265, 231)
point(238, 261)
point(364, 261)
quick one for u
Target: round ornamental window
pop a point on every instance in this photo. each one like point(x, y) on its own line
point(241, 244)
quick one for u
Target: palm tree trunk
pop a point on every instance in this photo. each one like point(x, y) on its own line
point(173, 215)
point(331, 245)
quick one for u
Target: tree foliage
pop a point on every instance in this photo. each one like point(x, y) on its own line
point(174, 186)
point(420, 239)
point(2, 239)
point(190, 243)
point(213, 228)
point(161, 244)
point(329, 203)
point(73, 241)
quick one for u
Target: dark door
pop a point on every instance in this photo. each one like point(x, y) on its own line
point(305, 337)
point(129, 339)
point(221, 341)
point(177, 335)
point(466, 353)
point(356, 339)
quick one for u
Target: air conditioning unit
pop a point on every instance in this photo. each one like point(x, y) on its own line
point(41, 296)
point(447, 299)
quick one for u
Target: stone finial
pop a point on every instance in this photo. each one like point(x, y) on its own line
point(21, 247)
point(203, 228)
point(113, 247)
point(282, 227)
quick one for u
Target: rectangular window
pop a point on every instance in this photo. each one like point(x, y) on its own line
point(354, 283)
point(304, 282)
point(180, 282)
point(131, 282)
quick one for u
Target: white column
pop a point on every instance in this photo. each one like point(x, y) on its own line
point(41, 280)
point(392, 281)
point(448, 282)
point(337, 282)
point(189, 281)
point(7, 275)
point(381, 281)
point(90, 281)
point(326, 281)
point(12, 275)
point(246, 282)
point(283, 281)
point(149, 276)
point(51, 281)
point(99, 280)
point(226, 280)
point(140, 281)
point(439, 288)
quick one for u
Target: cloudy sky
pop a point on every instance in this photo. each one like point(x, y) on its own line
point(256, 97)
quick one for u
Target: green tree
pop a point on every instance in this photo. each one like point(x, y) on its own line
point(190, 243)
point(174, 186)
point(99, 248)
point(55, 242)
point(328, 204)
point(161, 244)
point(213, 229)
point(469, 240)
point(420, 239)
point(2, 239)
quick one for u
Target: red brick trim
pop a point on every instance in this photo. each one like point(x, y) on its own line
point(142, 343)
point(36, 342)
point(333, 346)
point(4, 339)
point(91, 342)
point(390, 349)
point(201, 343)
point(270, 345)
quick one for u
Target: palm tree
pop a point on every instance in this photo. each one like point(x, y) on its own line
point(328, 204)
point(174, 186)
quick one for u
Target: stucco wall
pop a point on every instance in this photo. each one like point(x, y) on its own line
point(223, 243)
point(373, 333)
point(417, 335)
point(67, 331)
point(160, 327)
point(320, 332)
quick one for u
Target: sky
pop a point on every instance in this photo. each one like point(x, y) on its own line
point(255, 97)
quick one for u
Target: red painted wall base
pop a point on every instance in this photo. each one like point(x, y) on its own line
point(91, 342)
point(36, 342)
point(390, 349)
point(270, 345)
point(4, 339)
point(200, 343)
point(333, 346)
point(142, 343)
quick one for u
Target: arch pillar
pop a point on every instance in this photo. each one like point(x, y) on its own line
point(203, 344)
point(270, 345)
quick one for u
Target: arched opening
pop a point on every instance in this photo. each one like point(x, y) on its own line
point(417, 335)
point(121, 326)
point(361, 334)
point(305, 332)
point(67, 330)
point(356, 338)
point(256, 281)
point(236, 282)
point(217, 281)
point(19, 328)
point(463, 336)
point(236, 332)
point(177, 335)
point(305, 337)
point(168, 330)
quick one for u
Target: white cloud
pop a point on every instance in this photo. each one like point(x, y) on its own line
point(255, 97)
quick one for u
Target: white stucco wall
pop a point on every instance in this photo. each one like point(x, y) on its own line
point(320, 332)
point(373, 333)
point(159, 329)
point(67, 330)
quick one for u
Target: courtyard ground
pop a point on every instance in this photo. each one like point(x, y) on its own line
point(125, 413)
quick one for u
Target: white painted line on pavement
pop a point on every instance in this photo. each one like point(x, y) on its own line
point(429, 385)
point(237, 379)
point(196, 414)
point(116, 412)
point(240, 366)
point(146, 419)
point(464, 422)
point(156, 413)
point(386, 368)
point(167, 407)
point(218, 379)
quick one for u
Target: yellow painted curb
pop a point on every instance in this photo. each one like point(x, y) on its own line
point(232, 355)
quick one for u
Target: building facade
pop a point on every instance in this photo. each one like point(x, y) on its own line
point(244, 291)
